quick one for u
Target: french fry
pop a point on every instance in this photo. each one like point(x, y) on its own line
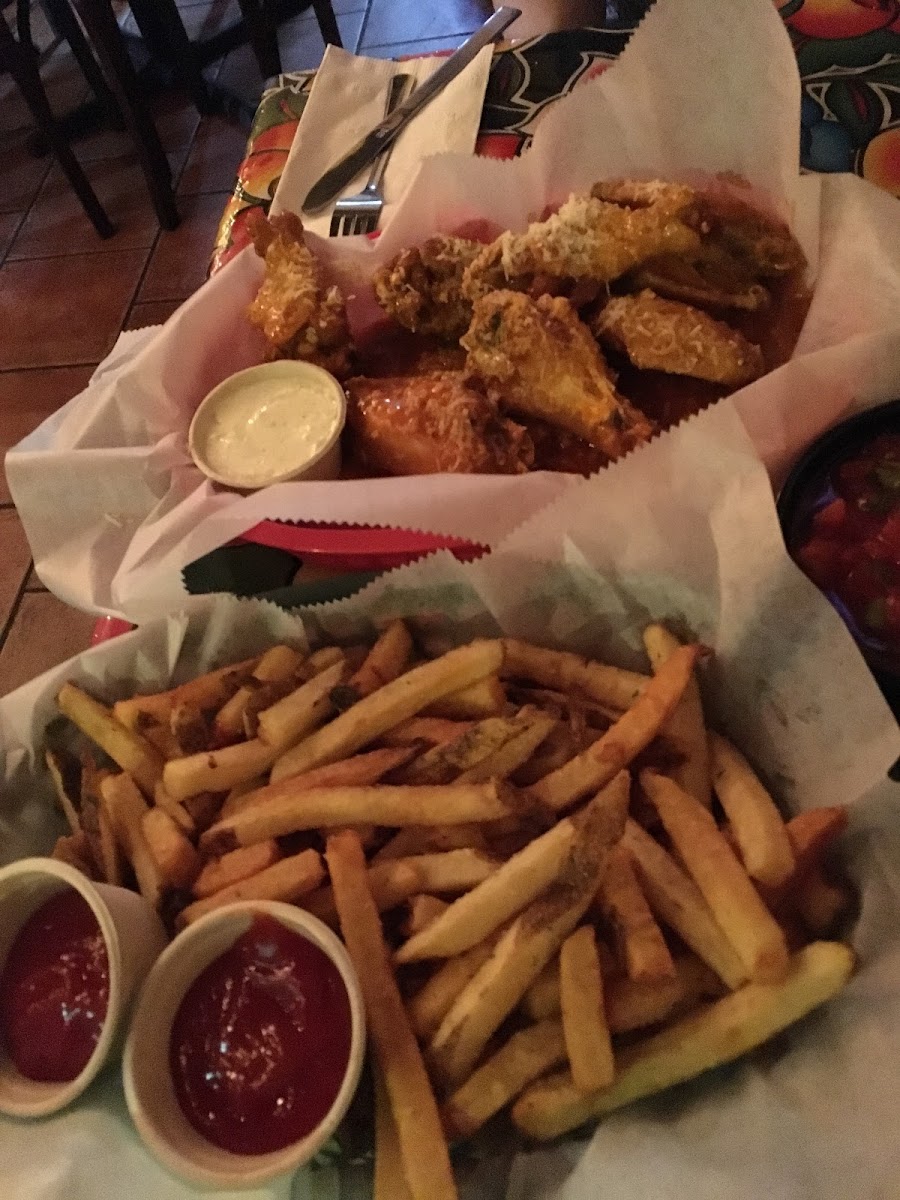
point(640, 942)
point(453, 870)
point(125, 807)
point(506, 892)
point(685, 729)
point(289, 879)
point(159, 736)
point(746, 922)
point(74, 850)
point(715, 1035)
point(434, 999)
point(110, 855)
point(276, 666)
point(206, 691)
point(392, 806)
point(523, 950)
point(390, 883)
point(321, 660)
point(176, 859)
point(821, 903)
point(557, 749)
point(444, 763)
point(422, 911)
point(389, 1182)
point(559, 669)
point(295, 715)
point(231, 868)
point(175, 809)
point(675, 899)
point(527, 1055)
point(217, 770)
point(485, 698)
point(423, 1147)
point(129, 750)
point(585, 1029)
point(387, 659)
point(542, 998)
point(190, 729)
point(235, 795)
point(514, 753)
point(396, 701)
point(760, 833)
point(615, 749)
point(65, 774)
point(435, 731)
point(430, 839)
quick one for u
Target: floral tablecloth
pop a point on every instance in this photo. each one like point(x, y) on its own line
point(848, 52)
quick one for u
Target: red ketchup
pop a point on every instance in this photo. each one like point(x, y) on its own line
point(261, 1041)
point(54, 990)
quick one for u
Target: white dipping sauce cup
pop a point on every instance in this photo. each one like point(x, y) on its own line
point(149, 1088)
point(134, 937)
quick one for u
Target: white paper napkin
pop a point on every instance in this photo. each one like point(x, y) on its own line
point(348, 100)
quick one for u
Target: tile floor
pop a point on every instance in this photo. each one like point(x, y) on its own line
point(65, 295)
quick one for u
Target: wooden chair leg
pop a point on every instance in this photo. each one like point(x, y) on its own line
point(263, 36)
point(327, 22)
point(100, 23)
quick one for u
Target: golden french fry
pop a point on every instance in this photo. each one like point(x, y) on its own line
point(422, 911)
point(434, 999)
point(542, 998)
point(65, 774)
point(414, 840)
point(129, 750)
point(444, 763)
point(516, 752)
point(507, 891)
point(289, 879)
point(485, 698)
point(175, 809)
point(206, 691)
point(125, 808)
point(615, 749)
point(559, 669)
point(392, 806)
point(527, 1055)
point(217, 770)
point(233, 799)
point(746, 922)
point(276, 666)
point(176, 859)
point(295, 715)
point(675, 899)
point(231, 868)
point(389, 1182)
point(524, 949)
point(585, 1029)
point(390, 883)
point(759, 831)
point(715, 1035)
point(110, 855)
point(685, 729)
point(821, 903)
point(321, 660)
point(434, 731)
point(395, 702)
point(557, 749)
point(811, 833)
point(423, 1147)
point(387, 659)
point(639, 939)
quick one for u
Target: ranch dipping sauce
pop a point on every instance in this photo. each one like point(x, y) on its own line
point(266, 424)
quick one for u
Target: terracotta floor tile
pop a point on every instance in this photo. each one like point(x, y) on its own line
point(57, 222)
point(45, 633)
point(9, 223)
point(29, 397)
point(14, 562)
point(65, 311)
point(179, 262)
point(22, 174)
point(156, 312)
point(214, 158)
point(63, 82)
point(176, 122)
point(392, 21)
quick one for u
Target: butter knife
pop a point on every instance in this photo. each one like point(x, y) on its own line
point(336, 178)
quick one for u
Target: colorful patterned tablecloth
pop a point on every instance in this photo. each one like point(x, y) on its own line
point(848, 52)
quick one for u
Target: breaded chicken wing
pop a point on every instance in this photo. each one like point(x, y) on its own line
point(674, 199)
point(664, 335)
point(300, 315)
point(422, 287)
point(430, 423)
point(712, 278)
point(535, 357)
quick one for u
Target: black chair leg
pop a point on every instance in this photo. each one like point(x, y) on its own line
point(263, 36)
point(65, 23)
point(161, 19)
point(24, 65)
point(100, 23)
point(327, 22)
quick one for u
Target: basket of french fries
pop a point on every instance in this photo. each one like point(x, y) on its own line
point(530, 813)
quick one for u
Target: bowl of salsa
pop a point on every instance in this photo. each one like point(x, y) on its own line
point(246, 1046)
point(840, 513)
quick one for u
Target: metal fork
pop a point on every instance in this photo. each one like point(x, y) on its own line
point(360, 213)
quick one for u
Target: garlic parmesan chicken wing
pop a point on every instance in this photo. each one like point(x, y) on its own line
point(431, 423)
point(535, 357)
point(422, 287)
point(299, 314)
point(664, 335)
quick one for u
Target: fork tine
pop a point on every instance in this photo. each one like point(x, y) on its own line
point(335, 224)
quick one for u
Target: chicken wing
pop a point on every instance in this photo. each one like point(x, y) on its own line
point(673, 199)
point(431, 423)
point(712, 278)
point(535, 357)
point(299, 314)
point(664, 335)
point(422, 287)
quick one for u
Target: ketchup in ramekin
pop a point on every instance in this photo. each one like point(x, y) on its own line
point(260, 1043)
point(54, 990)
